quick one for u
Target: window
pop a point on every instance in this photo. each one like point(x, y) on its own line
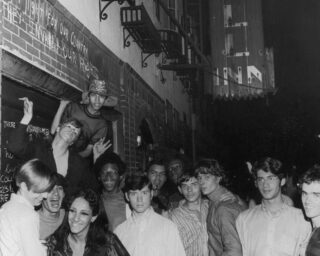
point(229, 44)
point(157, 5)
point(227, 15)
point(216, 77)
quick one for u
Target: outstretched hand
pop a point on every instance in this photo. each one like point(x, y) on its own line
point(27, 109)
point(99, 148)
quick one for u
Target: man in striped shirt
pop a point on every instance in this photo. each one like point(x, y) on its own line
point(190, 216)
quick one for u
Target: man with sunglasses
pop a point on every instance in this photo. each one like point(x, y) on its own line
point(272, 227)
point(57, 154)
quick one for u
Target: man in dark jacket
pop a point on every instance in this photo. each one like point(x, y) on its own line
point(224, 208)
point(57, 155)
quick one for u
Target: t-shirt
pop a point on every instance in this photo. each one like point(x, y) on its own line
point(49, 224)
point(94, 127)
point(115, 207)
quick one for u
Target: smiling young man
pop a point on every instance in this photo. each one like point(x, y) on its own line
point(190, 216)
point(110, 170)
point(273, 227)
point(19, 222)
point(51, 214)
point(147, 233)
point(310, 188)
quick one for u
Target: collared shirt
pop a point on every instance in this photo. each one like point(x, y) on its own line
point(222, 214)
point(150, 234)
point(19, 229)
point(192, 227)
point(262, 233)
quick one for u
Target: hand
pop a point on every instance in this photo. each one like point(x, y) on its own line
point(99, 148)
point(249, 166)
point(64, 102)
point(27, 110)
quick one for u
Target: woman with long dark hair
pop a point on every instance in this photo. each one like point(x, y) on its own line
point(85, 230)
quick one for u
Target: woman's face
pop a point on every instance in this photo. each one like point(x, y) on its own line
point(80, 216)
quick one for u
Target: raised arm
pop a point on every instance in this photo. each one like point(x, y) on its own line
point(27, 111)
point(58, 115)
point(18, 140)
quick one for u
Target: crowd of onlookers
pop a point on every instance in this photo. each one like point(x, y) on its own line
point(74, 196)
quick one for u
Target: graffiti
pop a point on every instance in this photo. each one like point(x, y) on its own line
point(7, 124)
point(44, 23)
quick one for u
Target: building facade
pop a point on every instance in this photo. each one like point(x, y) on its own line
point(51, 49)
point(241, 66)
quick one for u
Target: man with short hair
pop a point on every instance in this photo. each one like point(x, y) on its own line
point(51, 214)
point(272, 227)
point(310, 188)
point(19, 222)
point(224, 208)
point(190, 216)
point(57, 154)
point(88, 112)
point(147, 233)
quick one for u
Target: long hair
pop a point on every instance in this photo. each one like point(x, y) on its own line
point(98, 230)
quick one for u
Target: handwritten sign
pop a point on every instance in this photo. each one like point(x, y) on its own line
point(40, 20)
point(9, 162)
point(11, 114)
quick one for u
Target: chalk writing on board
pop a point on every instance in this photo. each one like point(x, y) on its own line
point(36, 130)
point(47, 25)
point(10, 163)
point(7, 154)
point(9, 124)
point(4, 197)
point(6, 179)
point(31, 129)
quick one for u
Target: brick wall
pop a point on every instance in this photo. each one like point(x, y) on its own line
point(30, 37)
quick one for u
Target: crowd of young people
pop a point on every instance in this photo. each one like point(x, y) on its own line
point(65, 206)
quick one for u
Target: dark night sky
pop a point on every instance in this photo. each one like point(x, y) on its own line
point(283, 125)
